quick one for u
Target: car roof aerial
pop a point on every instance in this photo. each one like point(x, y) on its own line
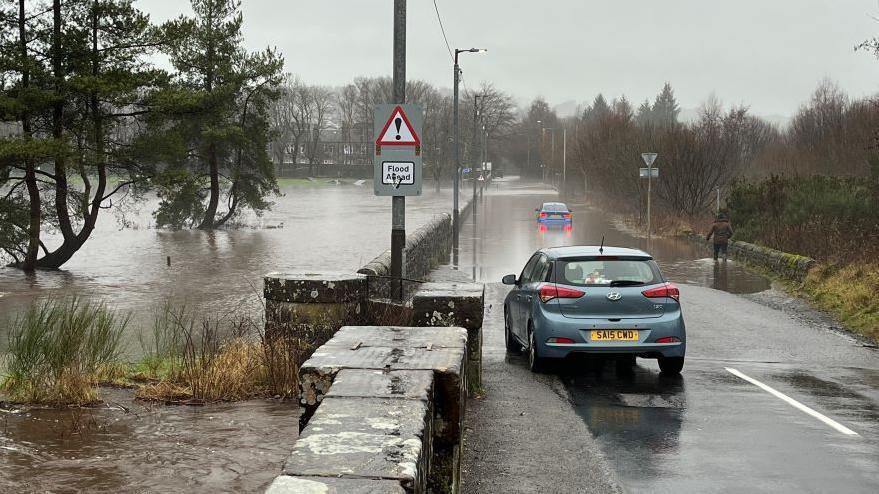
point(593, 250)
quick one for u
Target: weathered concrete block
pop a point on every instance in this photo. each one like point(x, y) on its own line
point(366, 438)
point(308, 308)
point(397, 336)
point(285, 484)
point(449, 304)
point(455, 304)
point(442, 351)
point(315, 288)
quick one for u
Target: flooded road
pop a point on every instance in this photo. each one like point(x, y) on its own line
point(506, 233)
point(142, 447)
point(314, 226)
point(708, 430)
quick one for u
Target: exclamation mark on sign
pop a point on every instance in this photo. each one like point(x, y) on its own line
point(398, 122)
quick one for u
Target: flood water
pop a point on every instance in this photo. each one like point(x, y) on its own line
point(311, 227)
point(236, 447)
point(505, 233)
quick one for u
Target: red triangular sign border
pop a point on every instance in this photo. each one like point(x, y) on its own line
point(379, 142)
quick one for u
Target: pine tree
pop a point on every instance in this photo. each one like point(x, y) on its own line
point(79, 77)
point(665, 108)
point(597, 109)
point(217, 114)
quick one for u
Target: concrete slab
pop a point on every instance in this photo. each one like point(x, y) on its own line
point(366, 438)
point(397, 336)
point(399, 384)
point(317, 374)
point(285, 484)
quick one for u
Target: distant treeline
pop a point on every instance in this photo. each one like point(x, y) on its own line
point(830, 135)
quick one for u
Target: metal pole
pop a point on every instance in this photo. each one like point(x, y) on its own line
point(474, 151)
point(564, 161)
point(649, 181)
point(398, 204)
point(455, 220)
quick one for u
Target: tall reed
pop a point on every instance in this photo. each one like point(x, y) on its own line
point(58, 349)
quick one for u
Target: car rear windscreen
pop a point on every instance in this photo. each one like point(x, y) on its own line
point(554, 207)
point(607, 272)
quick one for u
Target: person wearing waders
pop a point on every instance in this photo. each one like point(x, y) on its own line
point(721, 230)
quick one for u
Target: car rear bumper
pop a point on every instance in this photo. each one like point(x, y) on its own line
point(549, 325)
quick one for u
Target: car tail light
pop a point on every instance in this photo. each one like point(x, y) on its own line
point(567, 216)
point(669, 339)
point(666, 290)
point(560, 341)
point(543, 215)
point(550, 291)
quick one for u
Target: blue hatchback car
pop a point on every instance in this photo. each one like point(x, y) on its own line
point(607, 301)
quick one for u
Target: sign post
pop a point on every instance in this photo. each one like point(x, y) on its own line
point(649, 158)
point(397, 172)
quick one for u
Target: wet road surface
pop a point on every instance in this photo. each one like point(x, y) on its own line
point(709, 430)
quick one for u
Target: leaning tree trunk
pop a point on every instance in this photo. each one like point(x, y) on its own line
point(30, 175)
point(74, 241)
point(207, 223)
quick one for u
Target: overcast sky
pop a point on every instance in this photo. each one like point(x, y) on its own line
point(768, 54)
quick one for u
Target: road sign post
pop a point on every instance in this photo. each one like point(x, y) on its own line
point(649, 158)
point(398, 202)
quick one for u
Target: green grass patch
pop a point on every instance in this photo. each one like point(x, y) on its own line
point(849, 293)
point(59, 350)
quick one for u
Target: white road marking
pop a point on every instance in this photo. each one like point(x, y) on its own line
point(794, 403)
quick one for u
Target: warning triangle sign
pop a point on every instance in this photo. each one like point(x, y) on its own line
point(398, 131)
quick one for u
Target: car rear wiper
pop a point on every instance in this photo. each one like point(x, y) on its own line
point(626, 283)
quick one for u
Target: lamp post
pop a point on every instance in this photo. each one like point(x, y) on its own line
point(455, 219)
point(552, 144)
point(473, 148)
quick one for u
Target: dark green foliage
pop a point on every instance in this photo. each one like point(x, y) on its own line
point(829, 218)
point(215, 114)
point(76, 78)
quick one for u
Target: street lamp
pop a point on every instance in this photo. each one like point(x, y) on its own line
point(564, 154)
point(457, 79)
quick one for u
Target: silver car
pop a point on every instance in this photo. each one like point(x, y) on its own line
point(608, 301)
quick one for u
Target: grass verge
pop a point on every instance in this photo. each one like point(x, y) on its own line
point(849, 293)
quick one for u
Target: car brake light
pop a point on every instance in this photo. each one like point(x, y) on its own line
point(567, 216)
point(550, 291)
point(543, 215)
point(560, 341)
point(666, 290)
point(669, 339)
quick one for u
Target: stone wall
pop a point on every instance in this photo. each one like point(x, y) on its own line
point(383, 412)
point(426, 248)
point(790, 266)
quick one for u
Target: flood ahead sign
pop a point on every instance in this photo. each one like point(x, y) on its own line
point(397, 160)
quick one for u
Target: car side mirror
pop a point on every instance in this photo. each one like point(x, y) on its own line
point(536, 210)
point(509, 279)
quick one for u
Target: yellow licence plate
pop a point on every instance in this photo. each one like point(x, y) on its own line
point(615, 335)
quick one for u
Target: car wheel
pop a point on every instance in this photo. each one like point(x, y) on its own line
point(509, 339)
point(535, 362)
point(671, 365)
